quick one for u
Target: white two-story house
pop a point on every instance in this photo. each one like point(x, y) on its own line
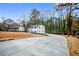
point(37, 29)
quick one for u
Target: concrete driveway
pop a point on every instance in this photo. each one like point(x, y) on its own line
point(52, 45)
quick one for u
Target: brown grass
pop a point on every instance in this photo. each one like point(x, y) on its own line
point(16, 35)
point(73, 44)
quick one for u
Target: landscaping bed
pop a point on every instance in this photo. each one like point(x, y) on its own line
point(73, 44)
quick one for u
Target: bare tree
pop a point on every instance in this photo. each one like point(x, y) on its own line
point(70, 8)
point(8, 23)
point(34, 17)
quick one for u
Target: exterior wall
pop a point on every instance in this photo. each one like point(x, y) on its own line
point(37, 29)
point(14, 29)
point(21, 29)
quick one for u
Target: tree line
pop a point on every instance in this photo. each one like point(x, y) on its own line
point(67, 21)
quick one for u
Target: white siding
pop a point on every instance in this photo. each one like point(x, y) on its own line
point(37, 29)
point(21, 29)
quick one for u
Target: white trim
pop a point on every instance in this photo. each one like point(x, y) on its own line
point(37, 29)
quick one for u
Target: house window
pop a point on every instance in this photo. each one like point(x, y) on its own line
point(35, 27)
point(35, 31)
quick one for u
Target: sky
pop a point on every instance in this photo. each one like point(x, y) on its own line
point(17, 10)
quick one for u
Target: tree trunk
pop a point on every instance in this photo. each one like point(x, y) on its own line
point(68, 34)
